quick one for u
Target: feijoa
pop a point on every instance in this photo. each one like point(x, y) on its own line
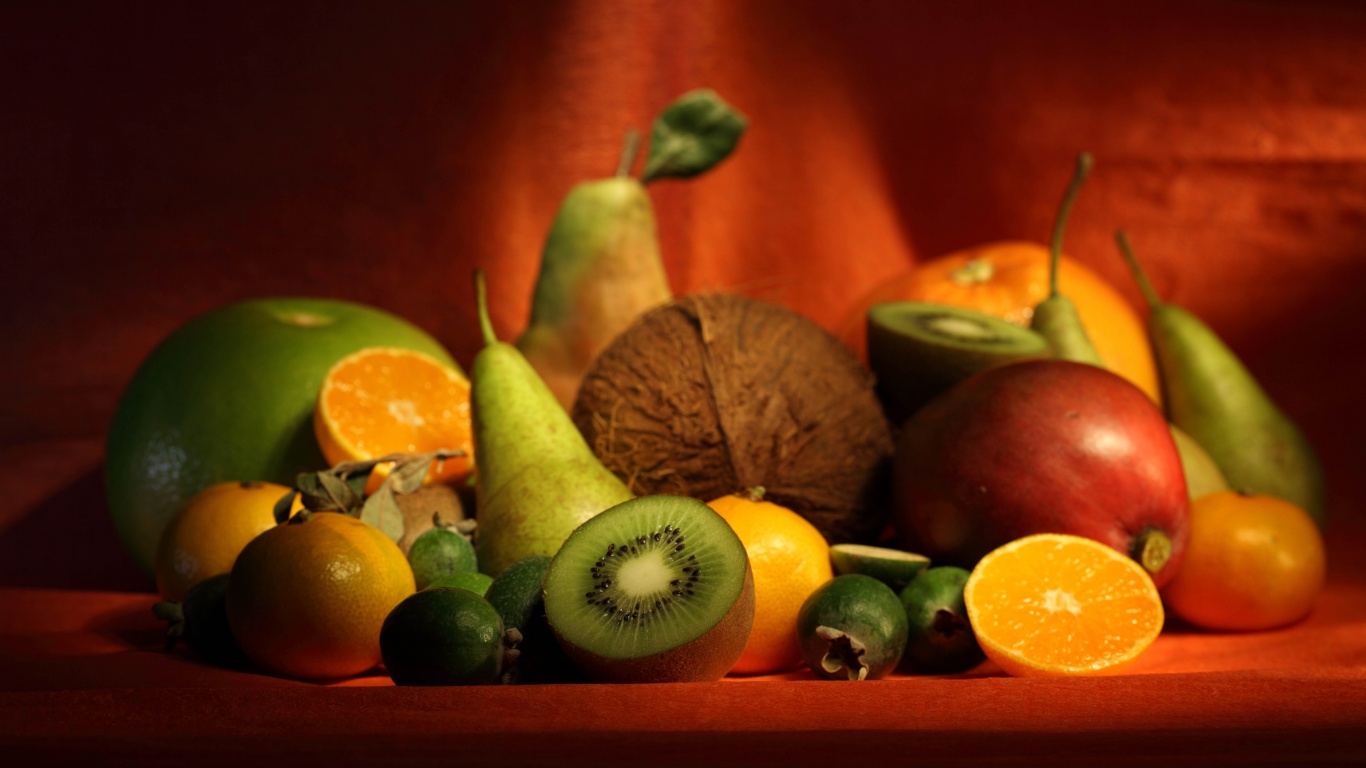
point(852, 628)
point(443, 636)
point(941, 640)
point(440, 552)
point(201, 621)
point(889, 566)
point(516, 595)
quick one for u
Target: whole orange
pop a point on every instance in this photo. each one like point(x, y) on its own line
point(1007, 280)
point(205, 537)
point(790, 559)
point(1252, 562)
point(307, 598)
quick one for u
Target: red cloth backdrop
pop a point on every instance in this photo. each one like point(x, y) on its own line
point(160, 159)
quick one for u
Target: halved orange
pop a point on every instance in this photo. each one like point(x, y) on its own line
point(1053, 605)
point(383, 400)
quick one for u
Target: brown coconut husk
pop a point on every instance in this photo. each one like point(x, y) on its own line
point(710, 395)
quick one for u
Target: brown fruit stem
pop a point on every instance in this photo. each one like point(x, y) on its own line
point(630, 147)
point(481, 301)
point(1084, 163)
point(1140, 276)
point(753, 493)
point(1151, 548)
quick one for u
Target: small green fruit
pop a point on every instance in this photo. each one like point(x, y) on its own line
point(941, 640)
point(438, 553)
point(445, 637)
point(852, 628)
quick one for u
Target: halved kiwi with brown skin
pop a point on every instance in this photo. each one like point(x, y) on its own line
point(917, 350)
point(655, 589)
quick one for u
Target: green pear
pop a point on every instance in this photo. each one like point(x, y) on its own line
point(1210, 394)
point(600, 270)
point(1055, 318)
point(1203, 476)
point(537, 479)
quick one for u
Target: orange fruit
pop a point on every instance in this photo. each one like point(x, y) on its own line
point(307, 598)
point(1252, 562)
point(1053, 604)
point(1007, 280)
point(228, 396)
point(385, 400)
point(789, 559)
point(205, 537)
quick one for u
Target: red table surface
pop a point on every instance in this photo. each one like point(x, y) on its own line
point(161, 159)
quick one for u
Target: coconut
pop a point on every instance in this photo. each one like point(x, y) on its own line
point(710, 395)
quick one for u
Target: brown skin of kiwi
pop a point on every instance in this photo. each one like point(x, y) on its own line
point(705, 659)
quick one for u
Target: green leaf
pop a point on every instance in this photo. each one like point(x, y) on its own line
point(381, 510)
point(339, 492)
point(284, 505)
point(693, 134)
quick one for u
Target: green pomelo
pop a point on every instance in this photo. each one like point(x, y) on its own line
point(230, 396)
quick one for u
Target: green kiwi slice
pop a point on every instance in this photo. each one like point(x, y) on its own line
point(918, 350)
point(656, 589)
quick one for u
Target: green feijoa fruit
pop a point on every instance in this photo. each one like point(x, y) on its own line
point(201, 622)
point(889, 566)
point(941, 639)
point(655, 589)
point(852, 628)
point(516, 595)
point(476, 582)
point(443, 636)
point(440, 552)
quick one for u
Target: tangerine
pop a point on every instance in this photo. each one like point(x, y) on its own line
point(383, 400)
point(1252, 562)
point(790, 559)
point(205, 537)
point(1007, 280)
point(1054, 604)
point(308, 597)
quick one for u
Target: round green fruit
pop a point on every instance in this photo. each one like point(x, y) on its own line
point(941, 639)
point(852, 628)
point(445, 636)
point(230, 396)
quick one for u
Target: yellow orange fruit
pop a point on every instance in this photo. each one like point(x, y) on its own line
point(204, 538)
point(789, 559)
point(1252, 562)
point(383, 400)
point(307, 598)
point(1007, 280)
point(1060, 605)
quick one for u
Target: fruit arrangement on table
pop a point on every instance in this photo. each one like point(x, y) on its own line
point(678, 489)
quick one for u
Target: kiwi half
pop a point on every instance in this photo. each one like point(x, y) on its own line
point(655, 589)
point(918, 350)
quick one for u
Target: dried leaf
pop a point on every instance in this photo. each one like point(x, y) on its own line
point(284, 506)
point(381, 510)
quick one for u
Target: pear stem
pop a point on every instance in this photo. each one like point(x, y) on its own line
point(481, 301)
point(1139, 276)
point(1084, 163)
point(630, 147)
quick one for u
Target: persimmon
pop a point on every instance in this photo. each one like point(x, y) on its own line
point(1007, 280)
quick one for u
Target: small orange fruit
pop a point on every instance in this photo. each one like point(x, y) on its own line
point(1007, 280)
point(205, 537)
point(1252, 562)
point(307, 598)
point(790, 559)
point(1053, 604)
point(384, 400)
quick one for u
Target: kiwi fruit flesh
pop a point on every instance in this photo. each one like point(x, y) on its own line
point(655, 589)
point(917, 350)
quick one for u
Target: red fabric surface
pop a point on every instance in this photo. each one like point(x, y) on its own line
point(162, 159)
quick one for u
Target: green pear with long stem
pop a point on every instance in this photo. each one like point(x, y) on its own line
point(537, 479)
point(1210, 394)
point(1055, 318)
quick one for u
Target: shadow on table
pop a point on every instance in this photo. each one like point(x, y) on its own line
point(68, 541)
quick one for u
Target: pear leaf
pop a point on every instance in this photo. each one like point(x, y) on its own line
point(693, 134)
point(382, 511)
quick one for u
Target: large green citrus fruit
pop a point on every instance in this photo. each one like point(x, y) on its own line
point(230, 396)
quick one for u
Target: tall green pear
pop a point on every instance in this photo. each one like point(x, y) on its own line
point(1055, 318)
point(601, 265)
point(537, 479)
point(600, 270)
point(1210, 394)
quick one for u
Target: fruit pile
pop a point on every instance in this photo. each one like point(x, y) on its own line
point(680, 489)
